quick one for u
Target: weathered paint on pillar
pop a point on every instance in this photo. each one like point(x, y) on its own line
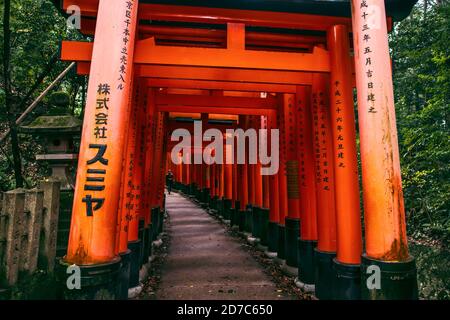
point(348, 220)
point(94, 213)
point(384, 212)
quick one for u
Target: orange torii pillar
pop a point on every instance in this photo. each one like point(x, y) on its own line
point(292, 220)
point(242, 177)
point(162, 172)
point(282, 181)
point(148, 145)
point(251, 182)
point(348, 220)
point(386, 253)
point(157, 213)
point(122, 213)
point(206, 184)
point(213, 196)
point(228, 182)
point(258, 190)
point(221, 181)
point(242, 184)
point(235, 205)
point(236, 182)
point(130, 197)
point(274, 212)
point(92, 240)
point(264, 212)
point(206, 171)
point(307, 186)
point(319, 225)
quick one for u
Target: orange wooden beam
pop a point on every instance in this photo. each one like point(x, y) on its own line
point(224, 74)
point(219, 85)
point(146, 52)
point(216, 101)
point(218, 110)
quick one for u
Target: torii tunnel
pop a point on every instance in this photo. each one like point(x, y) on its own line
point(158, 66)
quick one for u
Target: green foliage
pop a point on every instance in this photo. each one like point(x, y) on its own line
point(421, 60)
point(37, 28)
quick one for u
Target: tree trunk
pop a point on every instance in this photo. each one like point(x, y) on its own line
point(8, 103)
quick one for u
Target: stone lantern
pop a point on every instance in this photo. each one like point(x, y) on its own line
point(58, 130)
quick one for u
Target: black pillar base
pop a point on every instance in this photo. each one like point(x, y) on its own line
point(192, 189)
point(264, 226)
point(149, 240)
point(272, 238)
point(306, 267)
point(398, 280)
point(161, 221)
point(155, 223)
point(141, 235)
point(249, 219)
point(347, 283)
point(235, 213)
point(220, 207)
point(205, 196)
point(215, 202)
point(98, 281)
point(134, 247)
point(281, 242)
point(226, 209)
point(147, 243)
point(292, 234)
point(324, 275)
point(124, 275)
point(241, 217)
point(256, 229)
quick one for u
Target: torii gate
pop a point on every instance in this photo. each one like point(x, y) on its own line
point(299, 53)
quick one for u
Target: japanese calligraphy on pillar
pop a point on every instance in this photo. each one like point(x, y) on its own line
point(97, 166)
point(365, 41)
point(125, 40)
point(339, 123)
point(291, 146)
point(301, 140)
point(321, 131)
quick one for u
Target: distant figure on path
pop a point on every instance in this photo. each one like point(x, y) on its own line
point(169, 180)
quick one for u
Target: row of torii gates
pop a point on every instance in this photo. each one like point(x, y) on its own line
point(153, 65)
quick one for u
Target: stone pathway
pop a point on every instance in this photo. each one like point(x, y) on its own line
point(205, 263)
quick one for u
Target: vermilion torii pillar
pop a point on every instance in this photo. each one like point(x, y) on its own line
point(97, 190)
point(291, 153)
point(307, 183)
point(228, 182)
point(348, 219)
point(385, 228)
point(274, 212)
point(282, 182)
